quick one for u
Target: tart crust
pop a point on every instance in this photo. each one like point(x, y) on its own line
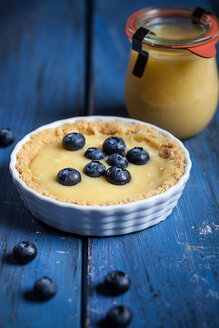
point(166, 147)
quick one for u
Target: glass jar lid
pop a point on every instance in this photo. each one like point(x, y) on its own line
point(177, 27)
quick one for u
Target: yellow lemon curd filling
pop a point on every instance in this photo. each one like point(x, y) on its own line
point(178, 90)
point(157, 175)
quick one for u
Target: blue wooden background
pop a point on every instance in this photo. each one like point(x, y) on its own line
point(66, 58)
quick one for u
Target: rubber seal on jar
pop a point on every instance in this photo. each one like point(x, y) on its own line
point(202, 46)
point(205, 51)
point(142, 59)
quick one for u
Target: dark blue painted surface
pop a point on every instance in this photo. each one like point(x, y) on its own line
point(173, 266)
point(42, 80)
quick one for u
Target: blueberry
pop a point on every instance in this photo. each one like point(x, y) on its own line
point(114, 145)
point(119, 316)
point(117, 175)
point(117, 282)
point(45, 288)
point(6, 137)
point(94, 153)
point(94, 169)
point(68, 177)
point(138, 156)
point(24, 252)
point(73, 141)
point(117, 160)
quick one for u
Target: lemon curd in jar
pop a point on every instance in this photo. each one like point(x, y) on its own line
point(178, 90)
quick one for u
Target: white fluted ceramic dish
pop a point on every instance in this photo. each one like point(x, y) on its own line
point(99, 220)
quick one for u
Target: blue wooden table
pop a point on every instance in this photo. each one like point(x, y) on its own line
point(60, 59)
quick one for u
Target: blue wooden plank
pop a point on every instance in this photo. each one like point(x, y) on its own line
point(42, 79)
point(173, 266)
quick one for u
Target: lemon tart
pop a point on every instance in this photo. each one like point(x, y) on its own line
point(42, 157)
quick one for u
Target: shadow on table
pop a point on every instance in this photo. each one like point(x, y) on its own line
point(15, 216)
point(104, 324)
point(117, 110)
point(30, 296)
point(9, 259)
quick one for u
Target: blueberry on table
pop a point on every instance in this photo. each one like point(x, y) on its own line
point(24, 252)
point(116, 159)
point(94, 153)
point(44, 288)
point(68, 177)
point(73, 141)
point(138, 156)
point(94, 169)
point(114, 145)
point(119, 316)
point(117, 282)
point(6, 137)
point(117, 175)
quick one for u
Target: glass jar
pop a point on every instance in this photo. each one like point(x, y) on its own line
point(172, 78)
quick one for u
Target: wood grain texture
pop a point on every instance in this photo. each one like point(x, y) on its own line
point(42, 79)
point(173, 266)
